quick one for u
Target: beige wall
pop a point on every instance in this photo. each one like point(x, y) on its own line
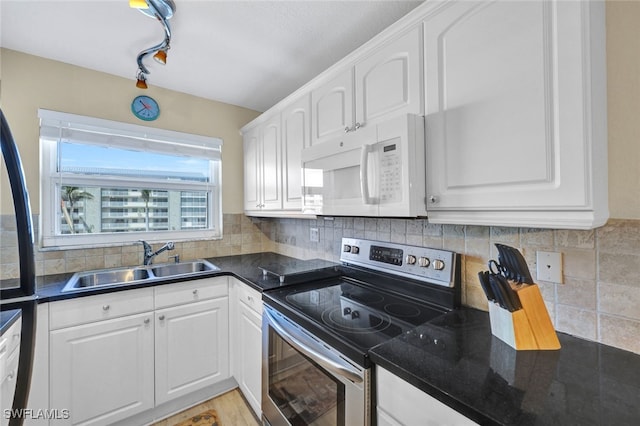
point(29, 82)
point(623, 93)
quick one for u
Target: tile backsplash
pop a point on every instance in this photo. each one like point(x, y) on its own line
point(241, 235)
point(599, 299)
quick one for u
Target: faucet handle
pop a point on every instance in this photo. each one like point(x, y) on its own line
point(170, 245)
point(147, 247)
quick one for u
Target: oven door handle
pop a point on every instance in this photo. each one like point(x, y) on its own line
point(295, 339)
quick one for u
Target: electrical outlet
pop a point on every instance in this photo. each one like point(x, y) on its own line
point(549, 266)
point(314, 235)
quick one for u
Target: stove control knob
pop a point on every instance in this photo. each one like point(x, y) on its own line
point(355, 315)
point(355, 249)
point(411, 259)
point(424, 262)
point(438, 265)
point(346, 311)
point(346, 248)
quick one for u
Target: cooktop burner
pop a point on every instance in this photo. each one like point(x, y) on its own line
point(363, 315)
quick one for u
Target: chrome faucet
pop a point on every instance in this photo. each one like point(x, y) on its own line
point(149, 254)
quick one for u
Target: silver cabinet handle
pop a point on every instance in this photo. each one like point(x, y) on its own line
point(161, 317)
point(195, 291)
point(347, 129)
point(105, 307)
point(357, 126)
point(433, 199)
point(147, 320)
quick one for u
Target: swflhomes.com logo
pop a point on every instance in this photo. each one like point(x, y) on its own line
point(41, 414)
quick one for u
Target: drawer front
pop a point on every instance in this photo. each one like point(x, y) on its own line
point(84, 310)
point(250, 297)
point(190, 291)
point(11, 337)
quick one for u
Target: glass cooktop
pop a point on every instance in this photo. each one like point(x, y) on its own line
point(357, 314)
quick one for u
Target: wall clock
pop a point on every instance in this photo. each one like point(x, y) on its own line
point(145, 108)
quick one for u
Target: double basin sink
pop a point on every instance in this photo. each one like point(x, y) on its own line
point(135, 275)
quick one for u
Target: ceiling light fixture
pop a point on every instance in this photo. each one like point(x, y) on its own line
point(162, 10)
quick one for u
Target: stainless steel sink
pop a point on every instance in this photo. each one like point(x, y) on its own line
point(172, 269)
point(106, 277)
point(135, 275)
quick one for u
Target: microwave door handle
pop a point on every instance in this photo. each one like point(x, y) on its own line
point(364, 174)
point(289, 335)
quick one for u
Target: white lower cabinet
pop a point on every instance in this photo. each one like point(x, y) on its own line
point(9, 353)
point(247, 342)
point(191, 347)
point(400, 403)
point(102, 372)
point(115, 355)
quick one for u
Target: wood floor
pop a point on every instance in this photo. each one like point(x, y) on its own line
point(231, 407)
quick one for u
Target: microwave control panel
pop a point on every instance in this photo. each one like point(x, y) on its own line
point(390, 173)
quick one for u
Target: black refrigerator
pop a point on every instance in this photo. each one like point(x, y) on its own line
point(18, 295)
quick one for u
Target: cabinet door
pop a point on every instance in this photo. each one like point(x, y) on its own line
point(389, 81)
point(332, 108)
point(397, 402)
point(102, 372)
point(296, 134)
point(252, 168)
point(270, 151)
point(507, 96)
point(192, 347)
point(249, 355)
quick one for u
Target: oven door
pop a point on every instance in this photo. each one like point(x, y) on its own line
point(306, 382)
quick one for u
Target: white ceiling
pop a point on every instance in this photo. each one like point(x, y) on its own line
point(246, 53)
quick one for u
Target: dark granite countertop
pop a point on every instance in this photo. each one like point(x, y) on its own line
point(245, 267)
point(7, 318)
point(457, 360)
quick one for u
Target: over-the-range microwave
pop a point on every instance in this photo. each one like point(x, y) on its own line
point(378, 170)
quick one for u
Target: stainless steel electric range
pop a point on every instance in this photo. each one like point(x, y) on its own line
point(317, 334)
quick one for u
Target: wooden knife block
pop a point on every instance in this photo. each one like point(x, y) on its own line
point(529, 328)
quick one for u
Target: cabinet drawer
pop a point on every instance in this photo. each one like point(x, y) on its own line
point(250, 297)
point(11, 337)
point(190, 291)
point(101, 307)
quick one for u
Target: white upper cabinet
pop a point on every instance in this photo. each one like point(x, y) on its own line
point(262, 167)
point(271, 165)
point(252, 190)
point(385, 82)
point(296, 135)
point(516, 114)
point(332, 107)
point(389, 80)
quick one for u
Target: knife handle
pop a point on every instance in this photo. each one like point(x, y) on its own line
point(483, 276)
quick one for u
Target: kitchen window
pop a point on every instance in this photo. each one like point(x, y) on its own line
point(106, 183)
